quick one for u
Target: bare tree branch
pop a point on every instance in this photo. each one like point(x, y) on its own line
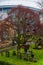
point(40, 3)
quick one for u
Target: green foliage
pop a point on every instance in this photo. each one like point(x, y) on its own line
point(19, 38)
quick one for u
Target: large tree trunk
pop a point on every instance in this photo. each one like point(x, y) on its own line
point(18, 50)
point(26, 47)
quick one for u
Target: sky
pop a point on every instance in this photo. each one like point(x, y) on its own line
point(31, 3)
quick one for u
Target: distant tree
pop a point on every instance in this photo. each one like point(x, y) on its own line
point(40, 3)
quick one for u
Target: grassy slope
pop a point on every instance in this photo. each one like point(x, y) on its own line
point(14, 61)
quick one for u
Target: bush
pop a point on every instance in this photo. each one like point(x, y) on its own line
point(1, 53)
point(7, 54)
point(14, 53)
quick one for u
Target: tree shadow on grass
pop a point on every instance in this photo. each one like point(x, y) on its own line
point(4, 63)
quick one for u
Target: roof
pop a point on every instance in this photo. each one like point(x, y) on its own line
point(29, 3)
point(7, 7)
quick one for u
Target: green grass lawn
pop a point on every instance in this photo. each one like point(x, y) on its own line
point(16, 61)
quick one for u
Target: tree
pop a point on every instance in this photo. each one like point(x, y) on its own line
point(21, 29)
point(40, 3)
point(25, 22)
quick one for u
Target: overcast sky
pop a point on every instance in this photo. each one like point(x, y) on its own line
point(30, 3)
